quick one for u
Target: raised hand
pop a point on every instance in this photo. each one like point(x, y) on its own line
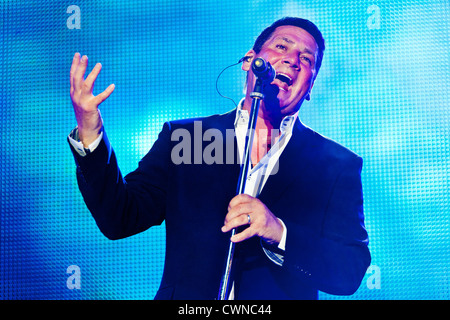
point(85, 104)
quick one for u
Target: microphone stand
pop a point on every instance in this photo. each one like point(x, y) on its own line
point(257, 96)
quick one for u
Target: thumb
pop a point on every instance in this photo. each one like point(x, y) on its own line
point(105, 94)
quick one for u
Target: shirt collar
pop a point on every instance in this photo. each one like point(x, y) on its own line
point(287, 124)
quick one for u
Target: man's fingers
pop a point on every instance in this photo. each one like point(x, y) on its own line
point(240, 198)
point(73, 68)
point(236, 211)
point(244, 235)
point(79, 73)
point(105, 94)
point(246, 210)
point(238, 221)
point(88, 84)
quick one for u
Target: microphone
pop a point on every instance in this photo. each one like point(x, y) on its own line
point(263, 70)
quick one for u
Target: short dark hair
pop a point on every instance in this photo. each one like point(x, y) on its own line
point(304, 24)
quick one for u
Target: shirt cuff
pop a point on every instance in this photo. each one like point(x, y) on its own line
point(277, 255)
point(282, 244)
point(74, 140)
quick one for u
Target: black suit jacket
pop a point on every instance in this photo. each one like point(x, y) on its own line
point(317, 193)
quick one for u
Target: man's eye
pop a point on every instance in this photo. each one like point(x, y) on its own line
point(280, 46)
point(307, 60)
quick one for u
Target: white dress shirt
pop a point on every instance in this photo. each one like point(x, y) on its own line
point(268, 164)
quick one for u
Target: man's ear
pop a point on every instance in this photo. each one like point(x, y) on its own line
point(308, 95)
point(247, 63)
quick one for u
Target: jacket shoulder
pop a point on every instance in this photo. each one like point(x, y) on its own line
point(212, 121)
point(330, 149)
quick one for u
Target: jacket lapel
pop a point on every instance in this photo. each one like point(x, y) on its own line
point(294, 159)
point(231, 167)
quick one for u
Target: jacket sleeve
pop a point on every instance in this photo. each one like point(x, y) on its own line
point(335, 259)
point(124, 206)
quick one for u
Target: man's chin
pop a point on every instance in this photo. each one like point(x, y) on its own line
point(288, 109)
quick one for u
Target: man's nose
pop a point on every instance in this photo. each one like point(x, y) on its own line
point(291, 60)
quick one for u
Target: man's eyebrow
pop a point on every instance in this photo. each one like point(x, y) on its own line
point(309, 51)
point(287, 40)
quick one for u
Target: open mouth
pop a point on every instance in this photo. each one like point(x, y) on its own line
point(285, 80)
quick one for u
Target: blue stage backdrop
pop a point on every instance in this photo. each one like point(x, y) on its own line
point(383, 91)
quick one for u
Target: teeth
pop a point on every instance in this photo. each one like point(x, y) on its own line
point(283, 74)
point(284, 77)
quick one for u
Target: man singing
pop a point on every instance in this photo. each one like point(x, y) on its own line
point(300, 218)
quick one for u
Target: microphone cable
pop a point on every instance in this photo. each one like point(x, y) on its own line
point(218, 77)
